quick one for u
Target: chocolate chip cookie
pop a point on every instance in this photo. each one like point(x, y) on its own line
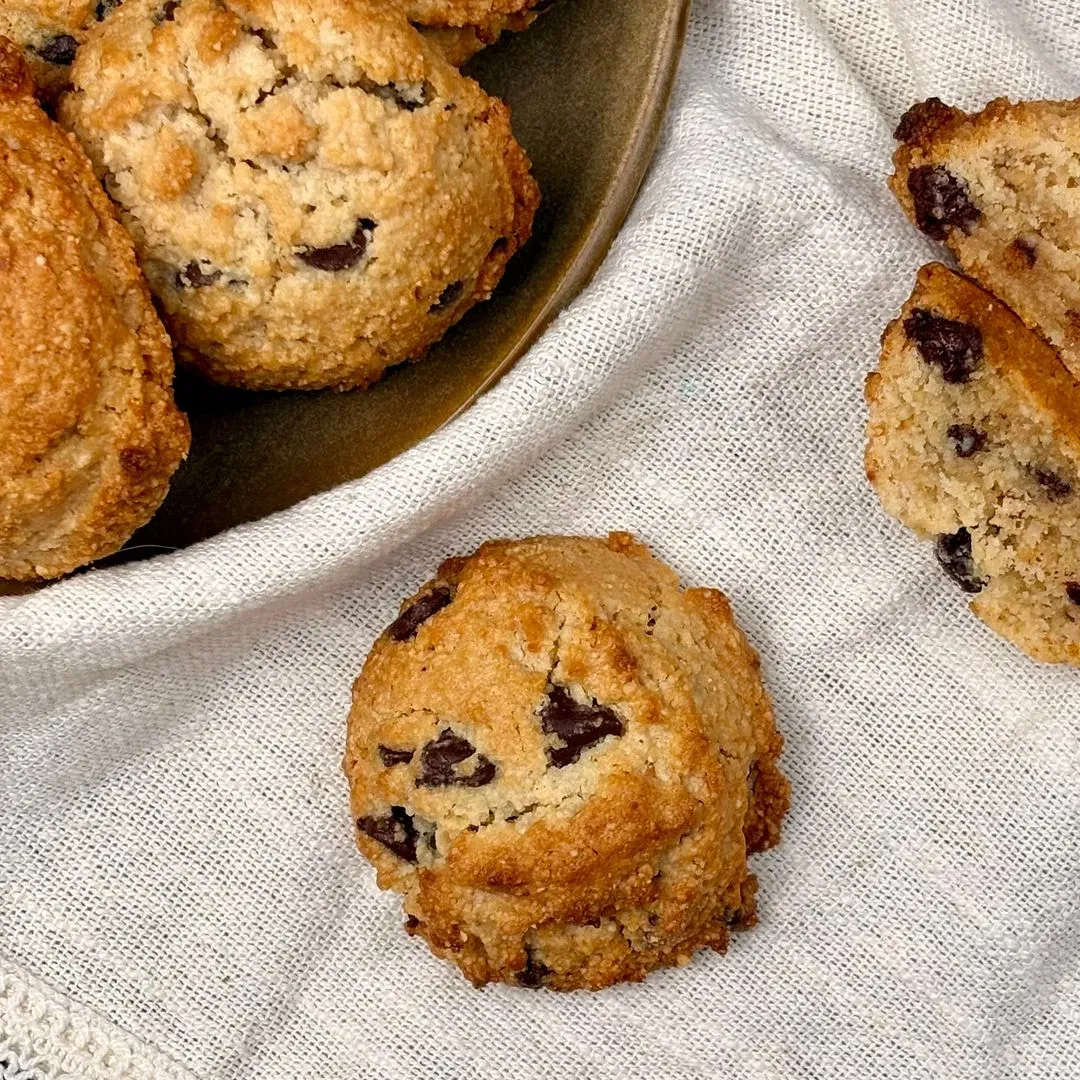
point(89, 433)
point(315, 193)
point(974, 442)
point(1001, 188)
point(49, 33)
point(561, 759)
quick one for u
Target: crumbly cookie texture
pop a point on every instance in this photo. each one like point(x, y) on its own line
point(89, 432)
point(49, 33)
point(1001, 188)
point(459, 44)
point(561, 760)
point(974, 440)
point(466, 12)
point(315, 193)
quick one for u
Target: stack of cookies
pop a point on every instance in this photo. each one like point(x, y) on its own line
point(310, 191)
point(974, 435)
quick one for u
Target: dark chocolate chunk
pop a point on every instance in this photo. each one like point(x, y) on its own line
point(534, 972)
point(168, 10)
point(448, 297)
point(339, 257)
point(395, 831)
point(59, 50)
point(104, 7)
point(1072, 591)
point(954, 347)
point(405, 96)
point(954, 554)
point(941, 199)
point(578, 726)
point(391, 757)
point(193, 276)
point(966, 440)
point(1056, 487)
point(1025, 249)
point(440, 758)
point(405, 626)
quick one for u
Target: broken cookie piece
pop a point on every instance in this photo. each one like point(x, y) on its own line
point(1001, 189)
point(974, 442)
point(561, 759)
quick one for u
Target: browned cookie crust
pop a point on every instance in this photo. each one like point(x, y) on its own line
point(314, 192)
point(974, 440)
point(49, 33)
point(461, 28)
point(561, 760)
point(1001, 188)
point(89, 433)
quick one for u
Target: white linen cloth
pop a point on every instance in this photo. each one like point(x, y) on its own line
point(179, 894)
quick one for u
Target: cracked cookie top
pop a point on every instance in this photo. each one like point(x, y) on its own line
point(89, 432)
point(561, 759)
point(314, 192)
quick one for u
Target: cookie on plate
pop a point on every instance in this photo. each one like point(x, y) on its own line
point(89, 432)
point(1001, 188)
point(561, 759)
point(315, 193)
point(49, 33)
point(974, 441)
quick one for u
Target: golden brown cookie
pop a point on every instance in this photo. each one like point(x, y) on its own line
point(89, 432)
point(974, 440)
point(1001, 188)
point(462, 29)
point(561, 759)
point(310, 207)
point(50, 32)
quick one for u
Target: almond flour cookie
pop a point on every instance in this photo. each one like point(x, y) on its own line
point(974, 440)
point(49, 33)
point(1001, 188)
point(561, 760)
point(89, 433)
point(314, 192)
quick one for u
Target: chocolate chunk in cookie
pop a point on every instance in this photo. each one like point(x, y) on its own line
point(966, 439)
point(193, 276)
point(1055, 486)
point(953, 552)
point(952, 346)
point(941, 201)
point(59, 49)
point(391, 757)
point(338, 257)
point(406, 625)
point(440, 762)
point(578, 726)
point(396, 831)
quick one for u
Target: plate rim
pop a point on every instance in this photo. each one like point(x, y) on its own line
point(621, 198)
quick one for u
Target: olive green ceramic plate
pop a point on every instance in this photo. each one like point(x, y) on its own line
point(588, 85)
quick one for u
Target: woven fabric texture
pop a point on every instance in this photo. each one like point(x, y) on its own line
point(179, 893)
